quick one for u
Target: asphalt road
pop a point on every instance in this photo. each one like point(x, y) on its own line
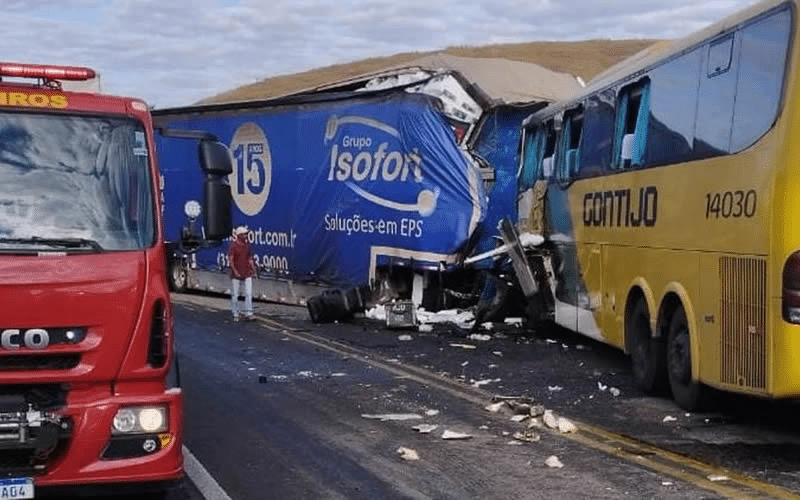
point(285, 408)
point(271, 416)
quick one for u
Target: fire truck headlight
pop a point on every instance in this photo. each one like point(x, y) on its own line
point(152, 419)
point(140, 420)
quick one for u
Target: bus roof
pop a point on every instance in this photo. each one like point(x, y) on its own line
point(635, 65)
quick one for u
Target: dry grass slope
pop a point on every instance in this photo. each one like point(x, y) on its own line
point(584, 58)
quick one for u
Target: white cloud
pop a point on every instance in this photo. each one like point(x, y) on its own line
point(175, 53)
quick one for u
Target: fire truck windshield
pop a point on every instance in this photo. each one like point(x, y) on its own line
point(74, 178)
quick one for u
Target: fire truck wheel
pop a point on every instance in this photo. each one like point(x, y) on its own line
point(177, 276)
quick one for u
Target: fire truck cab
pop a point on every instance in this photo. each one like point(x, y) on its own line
point(86, 330)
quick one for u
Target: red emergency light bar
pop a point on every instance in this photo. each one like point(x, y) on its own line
point(75, 73)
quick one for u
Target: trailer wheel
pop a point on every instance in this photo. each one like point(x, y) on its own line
point(689, 394)
point(177, 276)
point(648, 354)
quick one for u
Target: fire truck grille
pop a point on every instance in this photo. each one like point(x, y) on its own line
point(38, 362)
point(18, 462)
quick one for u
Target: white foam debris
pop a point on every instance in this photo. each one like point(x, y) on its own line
point(425, 428)
point(669, 418)
point(480, 337)
point(565, 426)
point(513, 321)
point(393, 417)
point(407, 453)
point(528, 436)
point(550, 420)
point(614, 391)
point(463, 346)
point(425, 328)
point(479, 383)
point(447, 434)
point(431, 413)
point(378, 312)
point(404, 338)
point(496, 407)
point(553, 462)
point(717, 477)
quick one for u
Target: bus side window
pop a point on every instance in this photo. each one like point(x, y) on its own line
point(762, 64)
point(548, 157)
point(569, 144)
point(633, 110)
point(530, 168)
point(716, 95)
point(598, 135)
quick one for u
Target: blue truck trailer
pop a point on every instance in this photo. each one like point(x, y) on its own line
point(339, 190)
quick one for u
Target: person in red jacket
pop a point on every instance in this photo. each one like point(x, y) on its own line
point(241, 271)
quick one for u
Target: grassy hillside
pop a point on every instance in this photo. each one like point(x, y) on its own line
point(585, 59)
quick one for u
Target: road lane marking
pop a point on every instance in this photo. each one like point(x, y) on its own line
point(205, 482)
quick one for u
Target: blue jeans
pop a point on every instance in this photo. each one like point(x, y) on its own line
point(248, 296)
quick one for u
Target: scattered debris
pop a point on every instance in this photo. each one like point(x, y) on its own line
point(528, 436)
point(404, 338)
point(513, 321)
point(669, 418)
point(565, 426)
point(518, 417)
point(480, 337)
point(553, 462)
point(431, 413)
point(407, 453)
point(537, 411)
point(465, 363)
point(554, 388)
point(614, 391)
point(393, 417)
point(717, 477)
point(497, 353)
point(550, 419)
point(463, 346)
point(601, 386)
point(425, 328)
point(496, 407)
point(425, 428)
point(479, 383)
point(447, 434)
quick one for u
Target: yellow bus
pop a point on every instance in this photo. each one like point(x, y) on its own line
point(672, 206)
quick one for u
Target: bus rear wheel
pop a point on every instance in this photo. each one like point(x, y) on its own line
point(689, 394)
point(648, 354)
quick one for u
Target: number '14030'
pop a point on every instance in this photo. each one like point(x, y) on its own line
point(731, 204)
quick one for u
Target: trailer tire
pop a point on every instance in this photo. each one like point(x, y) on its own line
point(177, 276)
point(648, 354)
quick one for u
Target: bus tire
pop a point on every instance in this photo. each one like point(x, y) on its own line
point(177, 276)
point(648, 354)
point(689, 394)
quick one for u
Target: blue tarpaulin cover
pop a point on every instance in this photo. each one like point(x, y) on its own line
point(329, 190)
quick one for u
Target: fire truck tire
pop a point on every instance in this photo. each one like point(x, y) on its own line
point(177, 276)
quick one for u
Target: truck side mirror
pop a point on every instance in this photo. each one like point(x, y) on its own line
point(216, 163)
point(214, 158)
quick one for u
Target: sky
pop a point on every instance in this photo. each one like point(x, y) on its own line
point(173, 53)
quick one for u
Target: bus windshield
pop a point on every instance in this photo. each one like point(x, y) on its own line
point(74, 182)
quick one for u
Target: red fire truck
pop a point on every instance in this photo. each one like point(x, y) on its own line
point(86, 327)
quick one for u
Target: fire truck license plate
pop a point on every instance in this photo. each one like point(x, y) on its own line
point(18, 487)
